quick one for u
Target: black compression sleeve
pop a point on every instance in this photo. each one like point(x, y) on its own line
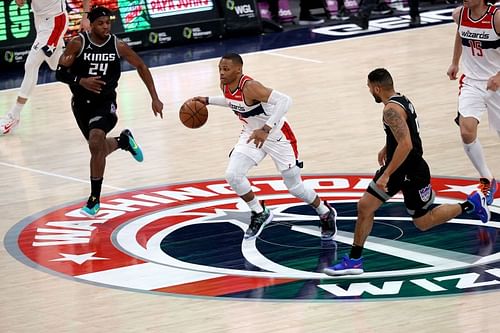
point(63, 74)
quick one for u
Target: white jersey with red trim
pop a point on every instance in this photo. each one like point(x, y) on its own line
point(480, 44)
point(252, 116)
point(48, 7)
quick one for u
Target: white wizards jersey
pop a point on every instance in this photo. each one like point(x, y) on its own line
point(252, 116)
point(48, 7)
point(480, 44)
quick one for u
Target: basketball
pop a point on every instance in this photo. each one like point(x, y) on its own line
point(193, 114)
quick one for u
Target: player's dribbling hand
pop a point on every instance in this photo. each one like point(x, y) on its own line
point(157, 107)
point(20, 3)
point(258, 136)
point(92, 83)
point(201, 99)
point(452, 72)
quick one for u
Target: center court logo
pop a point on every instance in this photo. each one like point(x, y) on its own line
point(187, 239)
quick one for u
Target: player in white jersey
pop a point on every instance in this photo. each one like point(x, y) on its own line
point(477, 42)
point(265, 132)
point(51, 23)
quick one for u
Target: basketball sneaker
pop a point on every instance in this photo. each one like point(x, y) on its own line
point(8, 123)
point(257, 223)
point(478, 200)
point(328, 223)
point(346, 266)
point(91, 208)
point(488, 189)
point(127, 142)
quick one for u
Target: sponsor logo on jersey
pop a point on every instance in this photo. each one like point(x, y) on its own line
point(187, 239)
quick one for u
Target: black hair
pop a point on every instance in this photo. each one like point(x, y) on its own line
point(382, 77)
point(97, 12)
point(234, 57)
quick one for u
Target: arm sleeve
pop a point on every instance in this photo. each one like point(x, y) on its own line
point(281, 104)
point(64, 75)
point(217, 100)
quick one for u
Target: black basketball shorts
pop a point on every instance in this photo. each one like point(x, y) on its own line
point(90, 114)
point(415, 184)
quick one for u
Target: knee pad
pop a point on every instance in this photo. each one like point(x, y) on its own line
point(238, 181)
point(236, 173)
point(295, 185)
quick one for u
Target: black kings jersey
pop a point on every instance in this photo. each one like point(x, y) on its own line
point(97, 60)
point(412, 122)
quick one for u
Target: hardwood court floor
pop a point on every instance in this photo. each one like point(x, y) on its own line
point(45, 164)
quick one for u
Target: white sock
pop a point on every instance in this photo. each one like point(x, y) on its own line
point(322, 209)
point(15, 111)
point(475, 153)
point(255, 206)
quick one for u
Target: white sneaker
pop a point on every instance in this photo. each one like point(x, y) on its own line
point(8, 123)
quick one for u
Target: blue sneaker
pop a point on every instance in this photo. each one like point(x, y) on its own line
point(488, 188)
point(131, 145)
point(478, 200)
point(91, 208)
point(347, 266)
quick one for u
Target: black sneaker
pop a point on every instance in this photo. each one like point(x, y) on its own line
point(257, 223)
point(328, 223)
point(415, 21)
point(382, 9)
point(342, 15)
point(306, 18)
point(360, 21)
point(128, 143)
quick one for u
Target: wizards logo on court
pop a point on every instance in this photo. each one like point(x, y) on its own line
point(187, 239)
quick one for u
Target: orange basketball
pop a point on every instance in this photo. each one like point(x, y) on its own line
point(193, 114)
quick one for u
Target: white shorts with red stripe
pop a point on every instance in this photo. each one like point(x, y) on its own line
point(50, 31)
point(474, 100)
point(280, 145)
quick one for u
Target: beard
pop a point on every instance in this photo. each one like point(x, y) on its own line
point(377, 98)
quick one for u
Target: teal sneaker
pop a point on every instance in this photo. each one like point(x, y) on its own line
point(129, 144)
point(91, 208)
point(257, 223)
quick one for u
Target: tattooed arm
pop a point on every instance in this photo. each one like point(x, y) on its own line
point(395, 118)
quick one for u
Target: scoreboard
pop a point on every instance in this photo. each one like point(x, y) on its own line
point(140, 23)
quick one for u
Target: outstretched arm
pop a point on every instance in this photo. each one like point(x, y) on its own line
point(132, 58)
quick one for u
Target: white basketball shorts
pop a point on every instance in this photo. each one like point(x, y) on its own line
point(281, 146)
point(50, 32)
point(474, 100)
